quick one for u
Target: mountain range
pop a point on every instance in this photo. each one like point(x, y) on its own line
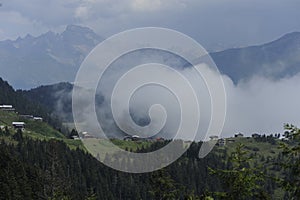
point(49, 58)
point(275, 60)
point(55, 57)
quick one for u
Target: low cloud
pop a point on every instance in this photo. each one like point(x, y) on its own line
point(258, 105)
point(262, 105)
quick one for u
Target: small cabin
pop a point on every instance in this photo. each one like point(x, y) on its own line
point(221, 142)
point(127, 138)
point(75, 137)
point(26, 116)
point(7, 107)
point(131, 138)
point(214, 137)
point(135, 138)
point(160, 139)
point(86, 135)
point(256, 135)
point(238, 135)
point(38, 119)
point(230, 140)
point(18, 124)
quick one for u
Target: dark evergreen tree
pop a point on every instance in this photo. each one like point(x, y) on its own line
point(240, 181)
point(291, 162)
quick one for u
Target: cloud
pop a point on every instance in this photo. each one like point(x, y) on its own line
point(21, 25)
point(257, 105)
point(156, 5)
point(146, 5)
point(262, 105)
point(82, 12)
point(145, 97)
point(216, 24)
point(48, 13)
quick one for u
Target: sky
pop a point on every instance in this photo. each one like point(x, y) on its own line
point(216, 24)
point(258, 105)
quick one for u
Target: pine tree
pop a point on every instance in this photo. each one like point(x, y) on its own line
point(291, 162)
point(240, 181)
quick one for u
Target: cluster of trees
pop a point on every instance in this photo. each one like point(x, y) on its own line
point(35, 169)
point(245, 180)
point(267, 138)
point(240, 180)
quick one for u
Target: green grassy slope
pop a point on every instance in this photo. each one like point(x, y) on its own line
point(35, 129)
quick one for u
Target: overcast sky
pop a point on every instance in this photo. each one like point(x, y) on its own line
point(213, 23)
point(216, 24)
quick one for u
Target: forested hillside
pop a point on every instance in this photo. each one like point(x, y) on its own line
point(56, 98)
point(39, 162)
point(41, 169)
point(25, 106)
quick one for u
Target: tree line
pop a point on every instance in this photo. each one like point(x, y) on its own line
point(37, 169)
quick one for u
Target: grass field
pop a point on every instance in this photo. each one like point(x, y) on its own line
point(34, 129)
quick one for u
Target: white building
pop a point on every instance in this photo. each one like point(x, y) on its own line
point(86, 135)
point(132, 138)
point(38, 119)
point(18, 124)
point(7, 107)
point(75, 137)
point(214, 137)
